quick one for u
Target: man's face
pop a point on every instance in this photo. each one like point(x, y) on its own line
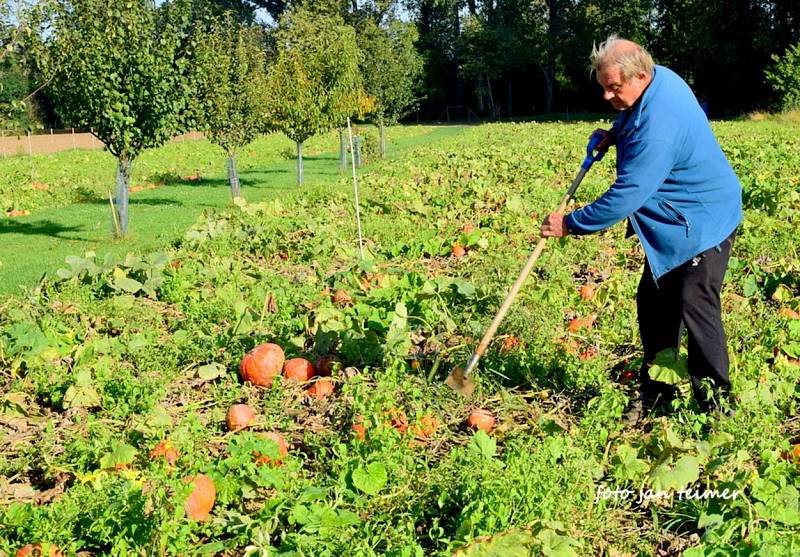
point(620, 92)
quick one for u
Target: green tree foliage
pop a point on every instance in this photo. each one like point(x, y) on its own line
point(121, 69)
point(231, 82)
point(315, 82)
point(497, 41)
point(391, 67)
point(15, 88)
point(16, 85)
point(784, 77)
point(243, 11)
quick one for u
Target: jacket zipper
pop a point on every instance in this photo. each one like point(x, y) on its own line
point(679, 216)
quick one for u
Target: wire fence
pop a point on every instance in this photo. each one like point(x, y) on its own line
point(41, 142)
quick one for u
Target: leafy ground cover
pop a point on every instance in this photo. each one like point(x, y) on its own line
point(110, 357)
point(67, 194)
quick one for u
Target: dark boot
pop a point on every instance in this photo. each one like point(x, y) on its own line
point(652, 396)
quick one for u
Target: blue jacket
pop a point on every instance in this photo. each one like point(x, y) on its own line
point(673, 180)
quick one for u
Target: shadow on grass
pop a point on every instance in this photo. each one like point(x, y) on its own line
point(39, 228)
point(156, 201)
point(223, 182)
point(153, 202)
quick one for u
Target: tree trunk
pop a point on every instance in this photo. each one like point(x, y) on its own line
point(299, 163)
point(342, 151)
point(553, 35)
point(382, 140)
point(548, 105)
point(233, 177)
point(492, 107)
point(509, 99)
point(549, 81)
point(121, 210)
point(479, 93)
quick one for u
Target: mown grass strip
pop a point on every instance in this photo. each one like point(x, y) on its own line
point(72, 215)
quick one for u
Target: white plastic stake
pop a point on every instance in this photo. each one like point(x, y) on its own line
point(355, 189)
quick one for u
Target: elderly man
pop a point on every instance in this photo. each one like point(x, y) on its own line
point(683, 200)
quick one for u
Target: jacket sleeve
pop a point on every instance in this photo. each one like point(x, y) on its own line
point(644, 167)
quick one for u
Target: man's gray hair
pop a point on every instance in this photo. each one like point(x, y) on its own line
point(628, 56)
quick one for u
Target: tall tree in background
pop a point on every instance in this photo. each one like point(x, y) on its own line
point(315, 83)
point(391, 68)
point(439, 25)
point(498, 41)
point(121, 69)
point(230, 77)
point(479, 60)
point(17, 85)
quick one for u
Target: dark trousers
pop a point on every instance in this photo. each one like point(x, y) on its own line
point(687, 296)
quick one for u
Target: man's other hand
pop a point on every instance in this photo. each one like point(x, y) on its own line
point(608, 140)
point(555, 226)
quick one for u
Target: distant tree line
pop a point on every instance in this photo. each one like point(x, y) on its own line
point(521, 57)
point(517, 57)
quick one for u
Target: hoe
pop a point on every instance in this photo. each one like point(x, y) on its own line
point(459, 379)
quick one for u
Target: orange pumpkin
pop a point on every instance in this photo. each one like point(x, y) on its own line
point(320, 389)
point(298, 369)
point(427, 426)
point(481, 419)
point(360, 431)
point(36, 550)
point(581, 323)
point(239, 416)
point(262, 364)
point(509, 343)
point(283, 449)
point(201, 500)
point(398, 420)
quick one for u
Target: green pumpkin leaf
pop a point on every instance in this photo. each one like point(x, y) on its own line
point(482, 444)
point(673, 478)
point(371, 479)
point(121, 454)
point(669, 367)
point(210, 371)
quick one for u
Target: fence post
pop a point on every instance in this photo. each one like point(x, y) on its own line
point(72, 130)
point(4, 142)
point(30, 146)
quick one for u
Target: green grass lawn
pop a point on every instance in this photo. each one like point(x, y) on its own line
point(73, 215)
